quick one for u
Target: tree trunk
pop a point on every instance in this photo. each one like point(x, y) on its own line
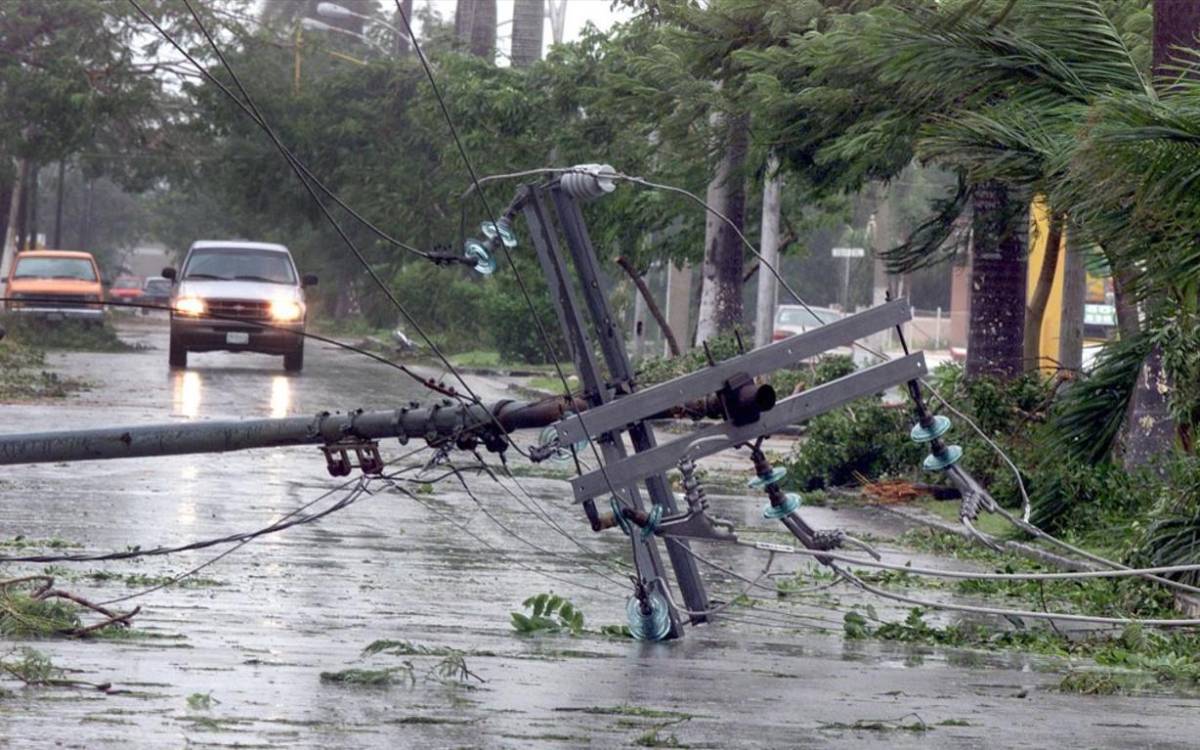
point(1176, 23)
point(764, 319)
point(402, 46)
point(558, 20)
point(1074, 301)
point(1149, 429)
point(528, 24)
point(721, 292)
point(1036, 312)
point(11, 226)
point(475, 26)
point(995, 336)
point(58, 204)
point(464, 21)
point(22, 215)
point(646, 299)
point(1128, 324)
point(32, 242)
point(679, 300)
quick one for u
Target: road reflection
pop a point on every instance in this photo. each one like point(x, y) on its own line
point(281, 396)
point(188, 392)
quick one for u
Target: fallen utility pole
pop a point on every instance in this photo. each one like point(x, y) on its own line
point(443, 422)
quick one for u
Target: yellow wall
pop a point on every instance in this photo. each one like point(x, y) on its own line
point(1039, 228)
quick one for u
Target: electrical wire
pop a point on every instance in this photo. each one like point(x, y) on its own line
point(1031, 614)
point(213, 560)
point(969, 575)
point(514, 534)
point(291, 160)
point(204, 72)
point(424, 381)
point(520, 563)
point(545, 339)
point(138, 552)
point(1022, 523)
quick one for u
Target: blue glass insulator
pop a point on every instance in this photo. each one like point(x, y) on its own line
point(484, 262)
point(652, 523)
point(622, 521)
point(549, 436)
point(776, 475)
point(653, 625)
point(791, 503)
point(921, 434)
point(944, 460)
point(500, 229)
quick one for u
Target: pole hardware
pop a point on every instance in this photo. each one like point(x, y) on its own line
point(338, 457)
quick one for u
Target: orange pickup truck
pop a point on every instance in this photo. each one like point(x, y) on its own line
point(55, 284)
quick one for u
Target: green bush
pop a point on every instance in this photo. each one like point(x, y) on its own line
point(865, 437)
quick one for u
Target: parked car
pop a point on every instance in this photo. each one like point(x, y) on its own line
point(793, 319)
point(55, 284)
point(126, 289)
point(156, 291)
point(238, 296)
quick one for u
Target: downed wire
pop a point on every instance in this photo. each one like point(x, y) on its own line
point(429, 383)
point(137, 552)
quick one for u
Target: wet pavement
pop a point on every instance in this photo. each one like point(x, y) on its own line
point(439, 573)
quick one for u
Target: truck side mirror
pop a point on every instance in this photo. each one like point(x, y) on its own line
point(169, 273)
point(310, 279)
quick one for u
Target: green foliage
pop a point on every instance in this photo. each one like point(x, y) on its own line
point(371, 677)
point(659, 369)
point(863, 438)
point(22, 376)
point(548, 613)
point(1088, 417)
point(201, 701)
point(31, 667)
point(72, 335)
point(23, 616)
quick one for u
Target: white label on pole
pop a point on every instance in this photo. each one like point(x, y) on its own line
point(849, 252)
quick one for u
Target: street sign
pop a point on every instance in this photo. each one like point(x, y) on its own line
point(849, 252)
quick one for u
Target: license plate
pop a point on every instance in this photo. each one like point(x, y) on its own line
point(237, 338)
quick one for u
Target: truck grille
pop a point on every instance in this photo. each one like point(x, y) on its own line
point(57, 300)
point(247, 309)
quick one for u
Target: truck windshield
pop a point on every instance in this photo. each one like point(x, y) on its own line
point(240, 264)
point(55, 268)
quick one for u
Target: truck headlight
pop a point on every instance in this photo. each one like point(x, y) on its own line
point(191, 306)
point(286, 310)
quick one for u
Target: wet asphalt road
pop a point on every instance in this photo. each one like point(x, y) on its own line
point(283, 609)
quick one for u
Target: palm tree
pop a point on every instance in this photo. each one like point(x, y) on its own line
point(528, 25)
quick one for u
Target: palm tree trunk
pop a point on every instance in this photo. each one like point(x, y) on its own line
point(1036, 312)
point(1149, 430)
point(528, 24)
point(475, 26)
point(996, 328)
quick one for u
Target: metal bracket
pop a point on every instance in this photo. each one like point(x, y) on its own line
point(632, 469)
point(366, 452)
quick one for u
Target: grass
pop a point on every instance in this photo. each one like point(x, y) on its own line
point(22, 542)
point(476, 358)
point(70, 335)
point(947, 510)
